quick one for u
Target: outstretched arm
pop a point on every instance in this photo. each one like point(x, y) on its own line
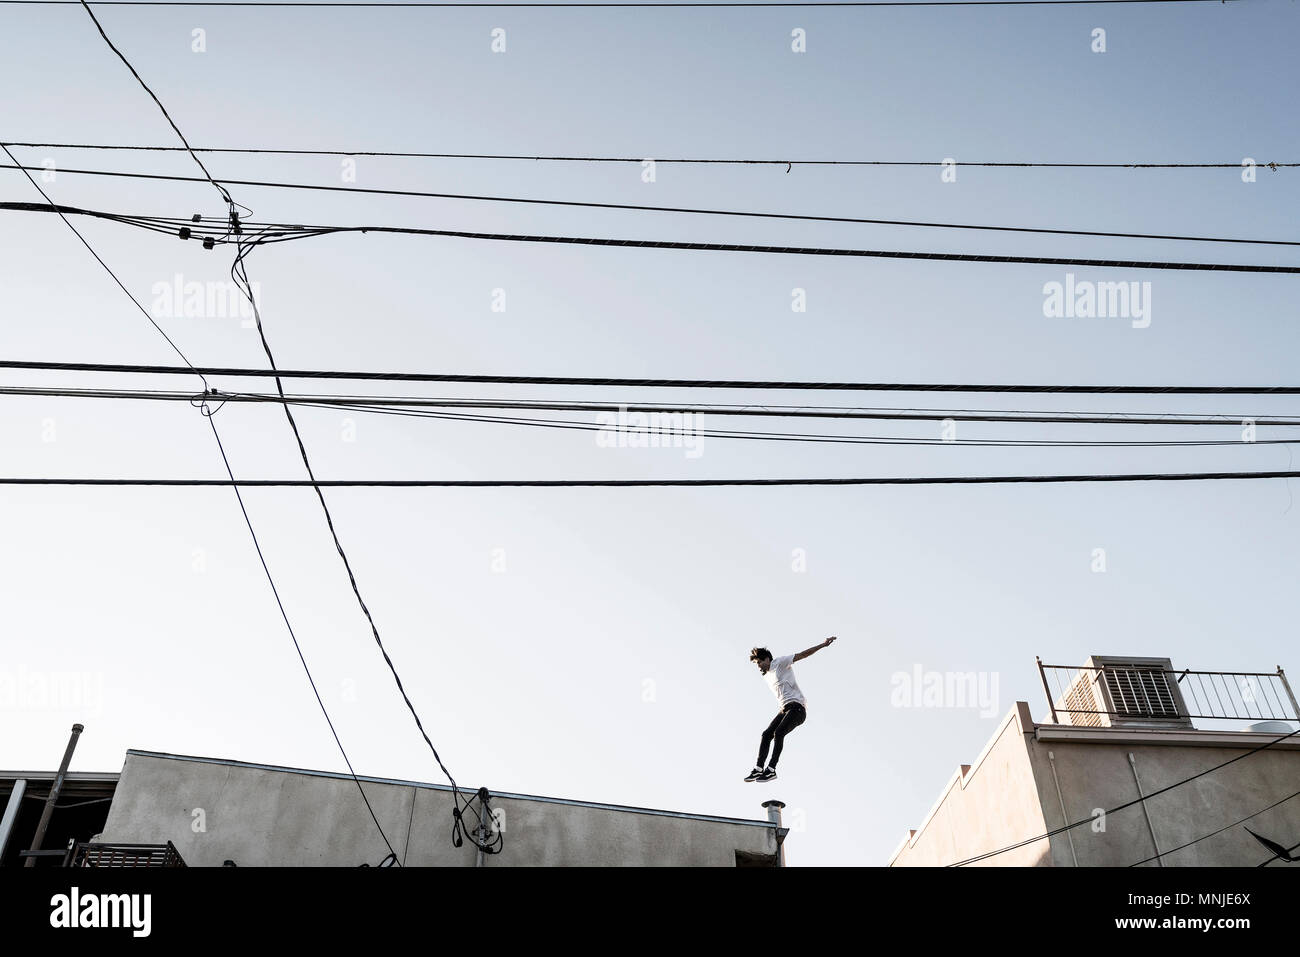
point(804, 654)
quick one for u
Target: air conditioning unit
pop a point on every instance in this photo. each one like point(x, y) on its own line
point(1113, 692)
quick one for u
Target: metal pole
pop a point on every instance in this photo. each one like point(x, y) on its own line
point(1065, 818)
point(11, 813)
point(1160, 861)
point(482, 831)
point(1046, 690)
point(774, 815)
point(1285, 684)
point(55, 788)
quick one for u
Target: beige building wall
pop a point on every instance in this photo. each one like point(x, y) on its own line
point(1033, 778)
point(1102, 768)
point(986, 805)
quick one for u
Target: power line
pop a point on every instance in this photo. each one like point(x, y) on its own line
point(1205, 837)
point(153, 96)
point(285, 615)
point(545, 4)
point(789, 163)
point(239, 272)
point(195, 227)
point(774, 385)
point(634, 207)
point(652, 429)
point(269, 233)
point(1128, 804)
point(715, 410)
point(656, 483)
point(794, 250)
point(338, 545)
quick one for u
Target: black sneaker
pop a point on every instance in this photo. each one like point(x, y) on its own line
point(768, 774)
point(754, 775)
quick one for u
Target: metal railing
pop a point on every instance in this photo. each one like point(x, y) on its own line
point(125, 855)
point(1148, 693)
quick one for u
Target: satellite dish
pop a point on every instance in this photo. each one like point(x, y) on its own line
point(1270, 727)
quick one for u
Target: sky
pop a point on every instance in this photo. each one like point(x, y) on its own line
point(592, 643)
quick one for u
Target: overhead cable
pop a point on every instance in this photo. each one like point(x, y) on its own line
point(1204, 837)
point(634, 207)
point(788, 163)
point(596, 4)
point(610, 381)
point(655, 483)
point(714, 410)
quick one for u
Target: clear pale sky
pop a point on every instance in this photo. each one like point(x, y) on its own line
point(609, 660)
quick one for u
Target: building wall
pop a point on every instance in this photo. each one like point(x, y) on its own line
point(259, 816)
point(987, 805)
point(1096, 772)
point(1010, 794)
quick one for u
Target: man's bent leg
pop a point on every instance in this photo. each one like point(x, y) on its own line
point(767, 740)
point(787, 722)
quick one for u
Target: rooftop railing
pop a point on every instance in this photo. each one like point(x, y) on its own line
point(1083, 694)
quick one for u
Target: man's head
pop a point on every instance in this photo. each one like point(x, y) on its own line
point(761, 657)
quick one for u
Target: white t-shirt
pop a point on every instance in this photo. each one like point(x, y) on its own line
point(780, 678)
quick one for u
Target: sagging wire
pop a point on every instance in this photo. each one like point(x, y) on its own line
point(244, 245)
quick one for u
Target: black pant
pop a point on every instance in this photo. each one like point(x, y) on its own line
point(791, 716)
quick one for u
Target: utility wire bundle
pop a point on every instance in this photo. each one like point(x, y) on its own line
point(247, 236)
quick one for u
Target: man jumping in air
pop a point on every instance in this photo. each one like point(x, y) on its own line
point(779, 674)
